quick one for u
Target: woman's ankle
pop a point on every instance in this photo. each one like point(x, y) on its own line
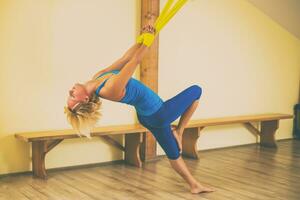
point(180, 131)
point(194, 185)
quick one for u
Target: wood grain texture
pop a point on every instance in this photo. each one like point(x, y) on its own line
point(189, 142)
point(268, 130)
point(39, 150)
point(113, 142)
point(238, 119)
point(238, 173)
point(70, 133)
point(149, 72)
point(132, 149)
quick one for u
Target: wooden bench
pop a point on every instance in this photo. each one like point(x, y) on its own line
point(268, 126)
point(44, 141)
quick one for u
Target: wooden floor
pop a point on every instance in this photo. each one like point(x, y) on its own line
point(246, 172)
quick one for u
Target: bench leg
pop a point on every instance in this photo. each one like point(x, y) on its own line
point(189, 142)
point(132, 149)
point(268, 130)
point(39, 149)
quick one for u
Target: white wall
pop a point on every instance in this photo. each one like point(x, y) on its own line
point(286, 13)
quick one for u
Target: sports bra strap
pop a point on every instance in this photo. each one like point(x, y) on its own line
point(101, 86)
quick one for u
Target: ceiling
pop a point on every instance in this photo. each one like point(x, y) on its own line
point(284, 12)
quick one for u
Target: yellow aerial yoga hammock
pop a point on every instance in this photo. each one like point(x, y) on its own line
point(164, 17)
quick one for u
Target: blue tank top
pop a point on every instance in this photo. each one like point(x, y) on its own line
point(144, 100)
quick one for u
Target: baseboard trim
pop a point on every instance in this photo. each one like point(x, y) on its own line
point(114, 162)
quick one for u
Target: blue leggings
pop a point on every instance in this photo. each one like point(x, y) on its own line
point(159, 123)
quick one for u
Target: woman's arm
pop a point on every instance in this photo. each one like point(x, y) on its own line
point(119, 64)
point(117, 83)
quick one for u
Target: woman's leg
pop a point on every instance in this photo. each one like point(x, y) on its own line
point(186, 116)
point(173, 108)
point(188, 100)
point(182, 104)
point(185, 103)
point(180, 167)
point(167, 141)
point(184, 119)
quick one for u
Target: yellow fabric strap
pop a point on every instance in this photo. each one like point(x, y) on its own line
point(148, 39)
point(140, 39)
point(163, 12)
point(164, 17)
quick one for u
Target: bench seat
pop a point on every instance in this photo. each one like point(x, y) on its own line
point(70, 133)
point(238, 119)
point(269, 123)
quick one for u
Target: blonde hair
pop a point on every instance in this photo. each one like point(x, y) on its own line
point(84, 117)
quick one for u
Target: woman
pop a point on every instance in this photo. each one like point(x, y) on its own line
point(115, 83)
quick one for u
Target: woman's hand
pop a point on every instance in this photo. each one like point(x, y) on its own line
point(148, 32)
point(148, 29)
point(147, 37)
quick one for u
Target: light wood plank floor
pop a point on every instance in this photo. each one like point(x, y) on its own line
point(241, 173)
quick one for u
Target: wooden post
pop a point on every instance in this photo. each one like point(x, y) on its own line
point(39, 149)
point(189, 142)
point(149, 73)
point(268, 130)
point(132, 149)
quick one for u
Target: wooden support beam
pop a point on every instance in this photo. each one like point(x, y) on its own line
point(252, 130)
point(112, 142)
point(149, 73)
point(268, 130)
point(39, 149)
point(132, 149)
point(52, 144)
point(189, 142)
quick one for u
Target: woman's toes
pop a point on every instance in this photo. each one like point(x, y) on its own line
point(202, 189)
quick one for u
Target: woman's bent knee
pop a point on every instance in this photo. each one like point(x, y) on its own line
point(197, 90)
point(174, 155)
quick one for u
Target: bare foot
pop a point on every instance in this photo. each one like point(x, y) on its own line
point(178, 137)
point(198, 188)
